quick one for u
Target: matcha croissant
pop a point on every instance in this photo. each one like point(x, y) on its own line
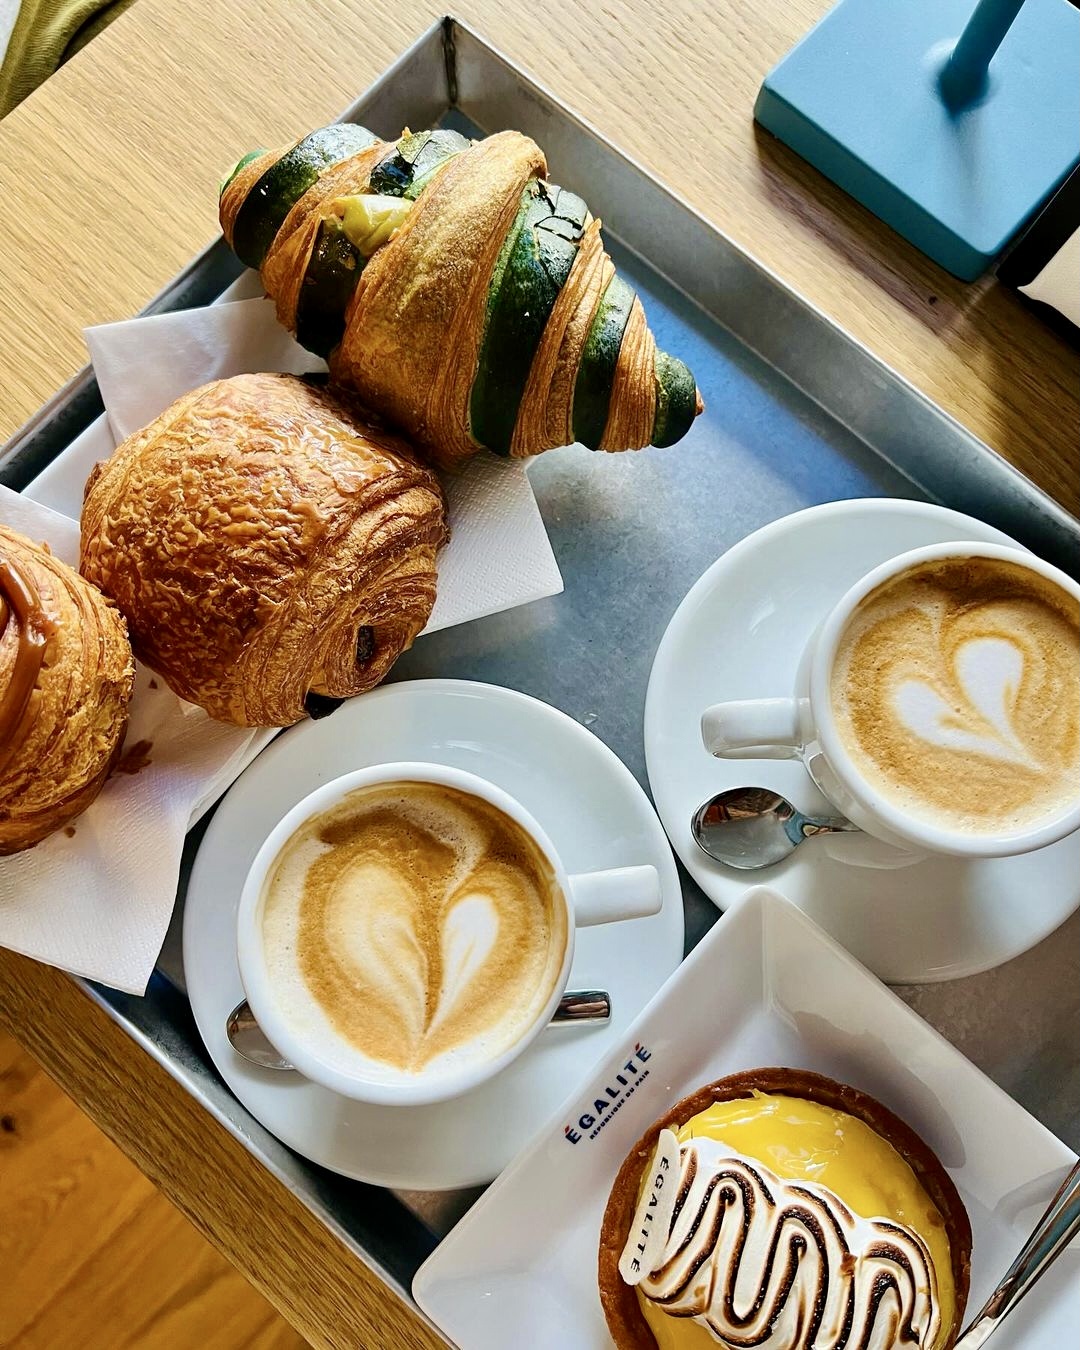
point(463, 296)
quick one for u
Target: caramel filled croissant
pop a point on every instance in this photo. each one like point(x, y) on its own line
point(463, 296)
point(271, 550)
point(66, 673)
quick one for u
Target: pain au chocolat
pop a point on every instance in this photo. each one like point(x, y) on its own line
point(780, 1209)
point(271, 547)
point(66, 673)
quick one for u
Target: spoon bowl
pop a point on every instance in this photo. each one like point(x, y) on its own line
point(752, 827)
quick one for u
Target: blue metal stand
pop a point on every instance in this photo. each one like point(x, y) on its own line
point(965, 76)
point(953, 126)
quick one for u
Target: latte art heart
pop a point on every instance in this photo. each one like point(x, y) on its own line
point(470, 931)
point(988, 676)
point(956, 689)
point(413, 923)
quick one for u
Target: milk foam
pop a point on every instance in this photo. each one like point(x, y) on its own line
point(957, 692)
point(471, 930)
point(989, 673)
point(413, 929)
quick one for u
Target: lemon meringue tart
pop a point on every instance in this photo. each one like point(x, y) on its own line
point(780, 1209)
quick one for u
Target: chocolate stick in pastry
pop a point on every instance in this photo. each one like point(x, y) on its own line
point(462, 295)
point(66, 674)
point(272, 550)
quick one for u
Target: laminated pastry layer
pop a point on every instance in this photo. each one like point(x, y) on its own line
point(66, 674)
point(271, 548)
point(464, 297)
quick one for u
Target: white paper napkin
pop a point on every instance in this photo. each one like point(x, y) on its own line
point(98, 902)
point(1058, 283)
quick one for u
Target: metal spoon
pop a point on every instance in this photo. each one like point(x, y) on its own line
point(1053, 1233)
point(752, 827)
point(249, 1040)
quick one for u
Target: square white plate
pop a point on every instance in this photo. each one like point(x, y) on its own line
point(765, 987)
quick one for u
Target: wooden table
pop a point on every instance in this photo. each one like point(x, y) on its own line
point(108, 177)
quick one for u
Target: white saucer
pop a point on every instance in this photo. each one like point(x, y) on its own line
point(597, 816)
point(739, 634)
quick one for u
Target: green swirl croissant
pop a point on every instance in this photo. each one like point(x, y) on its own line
point(463, 296)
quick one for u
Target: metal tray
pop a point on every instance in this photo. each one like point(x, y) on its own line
point(798, 413)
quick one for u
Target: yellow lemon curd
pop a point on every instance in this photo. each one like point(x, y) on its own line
point(803, 1141)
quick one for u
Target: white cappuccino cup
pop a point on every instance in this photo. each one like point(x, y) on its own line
point(381, 966)
point(936, 705)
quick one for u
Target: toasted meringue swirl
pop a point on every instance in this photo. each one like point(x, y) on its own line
point(785, 1265)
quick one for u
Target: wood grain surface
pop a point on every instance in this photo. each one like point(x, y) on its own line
point(91, 1255)
point(109, 175)
point(321, 1287)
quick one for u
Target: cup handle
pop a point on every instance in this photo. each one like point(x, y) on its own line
point(618, 893)
point(755, 728)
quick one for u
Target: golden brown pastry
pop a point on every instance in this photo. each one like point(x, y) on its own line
point(464, 297)
point(272, 550)
point(66, 673)
point(780, 1209)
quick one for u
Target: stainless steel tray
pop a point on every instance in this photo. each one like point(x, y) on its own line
point(798, 413)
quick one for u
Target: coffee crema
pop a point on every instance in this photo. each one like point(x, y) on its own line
point(956, 691)
point(412, 923)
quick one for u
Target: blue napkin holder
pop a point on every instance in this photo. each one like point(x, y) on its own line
point(953, 125)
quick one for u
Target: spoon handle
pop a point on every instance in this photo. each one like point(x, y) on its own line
point(583, 1005)
point(1053, 1233)
point(827, 825)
